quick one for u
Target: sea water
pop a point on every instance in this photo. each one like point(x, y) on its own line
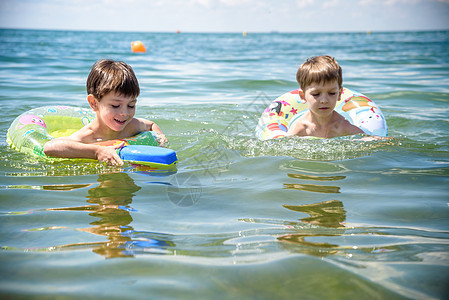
point(241, 218)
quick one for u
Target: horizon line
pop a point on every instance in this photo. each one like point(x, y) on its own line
point(228, 32)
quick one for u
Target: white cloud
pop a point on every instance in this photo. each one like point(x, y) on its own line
point(235, 2)
point(205, 3)
point(331, 4)
point(304, 3)
point(406, 2)
point(367, 2)
point(210, 3)
point(394, 2)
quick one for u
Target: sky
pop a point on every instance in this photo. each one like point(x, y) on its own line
point(226, 15)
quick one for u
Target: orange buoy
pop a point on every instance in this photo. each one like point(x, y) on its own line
point(137, 46)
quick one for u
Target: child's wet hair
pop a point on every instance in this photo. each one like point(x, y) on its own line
point(112, 76)
point(319, 69)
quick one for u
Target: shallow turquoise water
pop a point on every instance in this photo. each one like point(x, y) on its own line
point(242, 218)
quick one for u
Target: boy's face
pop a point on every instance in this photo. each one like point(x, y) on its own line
point(321, 97)
point(115, 110)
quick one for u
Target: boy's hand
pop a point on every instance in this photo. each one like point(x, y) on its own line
point(108, 154)
point(161, 139)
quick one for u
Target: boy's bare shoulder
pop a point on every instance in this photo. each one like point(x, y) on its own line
point(346, 128)
point(299, 128)
point(141, 124)
point(135, 126)
point(85, 135)
point(143, 121)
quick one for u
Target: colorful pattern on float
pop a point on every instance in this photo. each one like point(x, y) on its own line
point(31, 130)
point(358, 109)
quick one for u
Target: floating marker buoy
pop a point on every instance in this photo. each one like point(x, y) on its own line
point(137, 46)
point(245, 33)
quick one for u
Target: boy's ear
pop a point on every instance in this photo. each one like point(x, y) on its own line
point(340, 93)
point(301, 95)
point(93, 102)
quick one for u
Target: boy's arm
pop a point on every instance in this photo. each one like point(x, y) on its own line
point(70, 148)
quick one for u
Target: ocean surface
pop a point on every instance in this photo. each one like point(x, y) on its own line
point(241, 218)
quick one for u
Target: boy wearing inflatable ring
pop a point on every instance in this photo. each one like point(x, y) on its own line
point(320, 79)
point(112, 89)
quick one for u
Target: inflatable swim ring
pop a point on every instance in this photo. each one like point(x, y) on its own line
point(31, 130)
point(286, 109)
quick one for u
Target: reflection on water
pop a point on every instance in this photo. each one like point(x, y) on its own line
point(110, 203)
point(327, 213)
point(316, 188)
point(318, 178)
point(313, 188)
